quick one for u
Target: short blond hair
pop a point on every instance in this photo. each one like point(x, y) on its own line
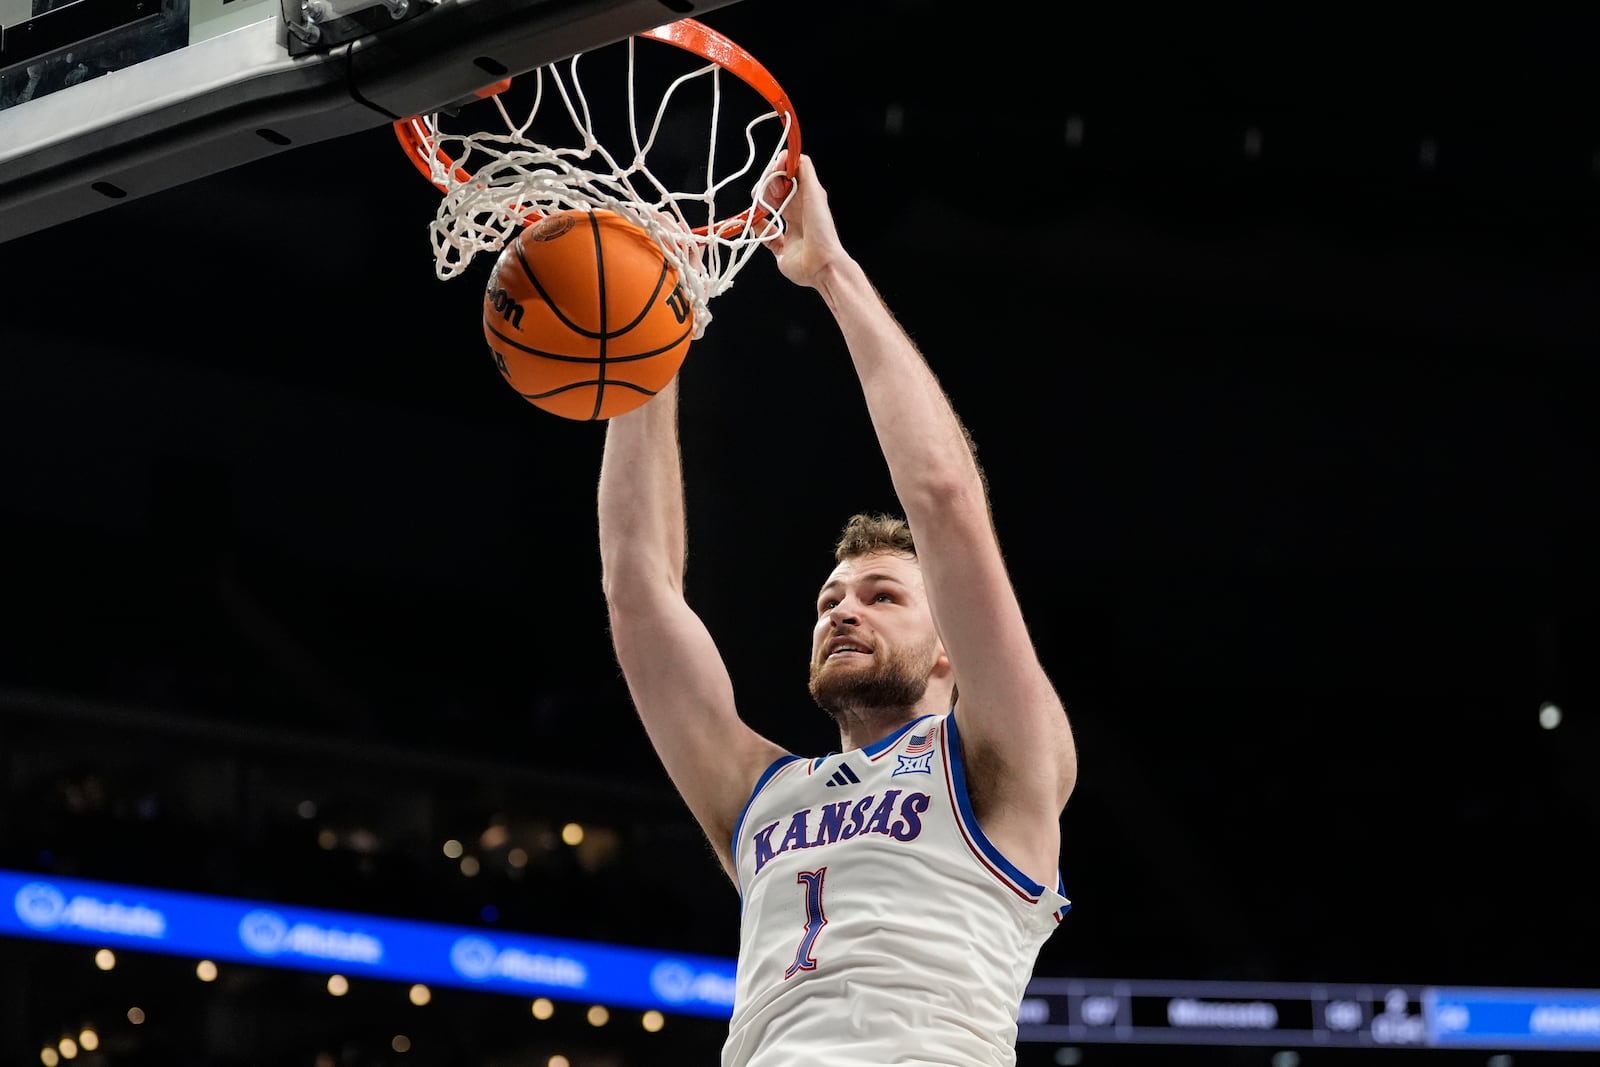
point(874, 534)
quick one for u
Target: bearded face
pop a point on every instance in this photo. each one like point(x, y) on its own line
point(886, 679)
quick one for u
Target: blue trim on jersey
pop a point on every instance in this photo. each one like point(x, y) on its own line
point(872, 750)
point(818, 761)
point(959, 775)
point(766, 776)
point(1061, 888)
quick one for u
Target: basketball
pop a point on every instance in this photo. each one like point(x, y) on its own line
point(584, 315)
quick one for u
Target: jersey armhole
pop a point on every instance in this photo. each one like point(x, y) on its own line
point(985, 851)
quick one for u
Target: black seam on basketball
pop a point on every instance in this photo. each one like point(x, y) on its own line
point(594, 335)
point(558, 357)
point(669, 346)
point(533, 280)
point(530, 350)
point(649, 304)
point(600, 282)
point(589, 384)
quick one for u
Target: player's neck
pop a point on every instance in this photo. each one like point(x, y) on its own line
point(860, 727)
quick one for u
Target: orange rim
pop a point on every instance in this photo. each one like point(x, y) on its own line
point(687, 34)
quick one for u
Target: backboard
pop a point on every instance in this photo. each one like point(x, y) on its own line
point(106, 100)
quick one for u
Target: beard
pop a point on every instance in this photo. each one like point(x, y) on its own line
point(892, 682)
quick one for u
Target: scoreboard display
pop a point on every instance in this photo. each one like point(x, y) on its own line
point(1308, 1015)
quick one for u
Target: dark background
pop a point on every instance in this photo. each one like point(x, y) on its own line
point(1291, 453)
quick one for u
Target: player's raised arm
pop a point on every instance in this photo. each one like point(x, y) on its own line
point(1013, 725)
point(673, 669)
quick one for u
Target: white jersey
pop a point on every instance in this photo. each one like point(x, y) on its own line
point(879, 925)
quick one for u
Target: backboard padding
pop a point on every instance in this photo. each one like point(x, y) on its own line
point(235, 96)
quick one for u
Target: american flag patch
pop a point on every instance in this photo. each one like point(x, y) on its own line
point(921, 743)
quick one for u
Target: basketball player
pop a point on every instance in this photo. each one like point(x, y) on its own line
point(895, 893)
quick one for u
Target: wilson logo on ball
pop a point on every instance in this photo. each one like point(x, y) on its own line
point(678, 302)
point(508, 308)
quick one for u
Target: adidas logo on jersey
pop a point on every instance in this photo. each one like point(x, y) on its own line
point(844, 776)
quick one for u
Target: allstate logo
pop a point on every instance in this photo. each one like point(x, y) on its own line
point(473, 958)
point(263, 932)
point(672, 981)
point(40, 906)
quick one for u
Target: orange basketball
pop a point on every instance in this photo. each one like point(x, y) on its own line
point(584, 315)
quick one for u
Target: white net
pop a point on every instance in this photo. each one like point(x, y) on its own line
point(709, 218)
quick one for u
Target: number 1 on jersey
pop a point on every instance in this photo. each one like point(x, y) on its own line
point(815, 921)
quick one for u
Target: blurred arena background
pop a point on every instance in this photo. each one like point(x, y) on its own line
point(1277, 333)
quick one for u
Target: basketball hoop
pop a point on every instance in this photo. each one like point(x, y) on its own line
point(708, 203)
